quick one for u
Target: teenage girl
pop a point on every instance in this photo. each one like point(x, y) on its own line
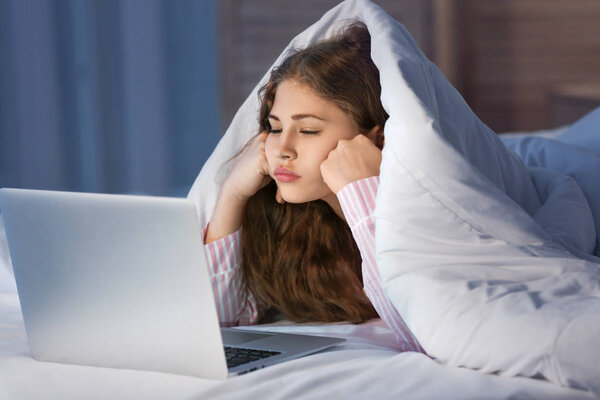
point(293, 228)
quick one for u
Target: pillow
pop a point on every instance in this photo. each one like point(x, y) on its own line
point(475, 277)
point(7, 278)
point(585, 132)
point(575, 161)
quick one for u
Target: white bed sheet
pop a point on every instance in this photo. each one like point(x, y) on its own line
point(366, 366)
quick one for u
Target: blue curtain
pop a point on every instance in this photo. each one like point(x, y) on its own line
point(114, 96)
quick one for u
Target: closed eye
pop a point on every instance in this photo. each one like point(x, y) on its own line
point(308, 132)
point(275, 131)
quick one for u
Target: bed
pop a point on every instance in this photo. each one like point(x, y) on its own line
point(366, 366)
point(487, 247)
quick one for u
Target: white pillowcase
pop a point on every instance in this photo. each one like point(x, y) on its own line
point(580, 163)
point(585, 132)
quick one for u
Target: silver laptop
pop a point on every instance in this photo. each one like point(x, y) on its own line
point(122, 281)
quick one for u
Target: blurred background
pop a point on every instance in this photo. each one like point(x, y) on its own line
point(131, 96)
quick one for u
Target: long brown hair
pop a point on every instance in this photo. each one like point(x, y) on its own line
point(301, 259)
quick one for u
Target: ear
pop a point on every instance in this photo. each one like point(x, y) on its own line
point(376, 136)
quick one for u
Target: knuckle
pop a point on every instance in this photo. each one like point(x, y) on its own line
point(361, 138)
point(342, 145)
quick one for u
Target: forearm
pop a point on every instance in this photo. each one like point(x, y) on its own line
point(358, 203)
point(227, 215)
point(235, 303)
point(249, 174)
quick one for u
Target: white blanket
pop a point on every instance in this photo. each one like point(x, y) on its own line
point(462, 255)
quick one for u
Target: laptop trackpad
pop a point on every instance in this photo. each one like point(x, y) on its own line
point(236, 337)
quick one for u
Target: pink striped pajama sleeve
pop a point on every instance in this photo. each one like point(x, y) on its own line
point(236, 305)
point(358, 203)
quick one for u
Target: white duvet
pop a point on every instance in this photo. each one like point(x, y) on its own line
point(461, 242)
point(467, 240)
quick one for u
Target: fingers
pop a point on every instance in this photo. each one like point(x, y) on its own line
point(358, 141)
point(348, 147)
point(262, 136)
point(351, 160)
point(263, 159)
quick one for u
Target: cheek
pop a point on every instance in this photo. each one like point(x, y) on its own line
point(321, 153)
point(314, 160)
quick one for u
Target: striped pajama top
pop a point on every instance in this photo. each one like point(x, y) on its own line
point(237, 306)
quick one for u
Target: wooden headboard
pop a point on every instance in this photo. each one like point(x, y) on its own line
point(519, 62)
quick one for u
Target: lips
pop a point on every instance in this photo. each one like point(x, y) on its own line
point(285, 175)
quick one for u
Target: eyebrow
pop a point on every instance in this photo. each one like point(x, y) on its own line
point(297, 117)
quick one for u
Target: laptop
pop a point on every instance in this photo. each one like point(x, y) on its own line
point(122, 281)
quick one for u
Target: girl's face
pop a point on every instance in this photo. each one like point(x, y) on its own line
point(304, 129)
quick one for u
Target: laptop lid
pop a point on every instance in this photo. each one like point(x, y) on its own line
point(86, 263)
point(122, 281)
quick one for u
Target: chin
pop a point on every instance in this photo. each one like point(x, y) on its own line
point(303, 191)
point(300, 196)
point(297, 199)
point(295, 196)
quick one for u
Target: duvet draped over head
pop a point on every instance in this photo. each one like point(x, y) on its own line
point(463, 238)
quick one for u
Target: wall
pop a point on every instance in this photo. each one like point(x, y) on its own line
point(508, 57)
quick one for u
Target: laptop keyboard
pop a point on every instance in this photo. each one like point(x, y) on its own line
point(237, 355)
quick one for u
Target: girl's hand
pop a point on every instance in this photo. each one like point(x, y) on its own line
point(350, 161)
point(249, 174)
point(251, 171)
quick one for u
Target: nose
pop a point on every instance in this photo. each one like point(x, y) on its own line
point(285, 146)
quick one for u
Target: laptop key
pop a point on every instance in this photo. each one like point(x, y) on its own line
point(238, 355)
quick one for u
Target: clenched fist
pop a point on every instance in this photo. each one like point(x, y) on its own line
point(251, 171)
point(350, 161)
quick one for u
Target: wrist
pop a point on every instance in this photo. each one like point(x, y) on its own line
point(341, 183)
point(230, 194)
point(227, 215)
